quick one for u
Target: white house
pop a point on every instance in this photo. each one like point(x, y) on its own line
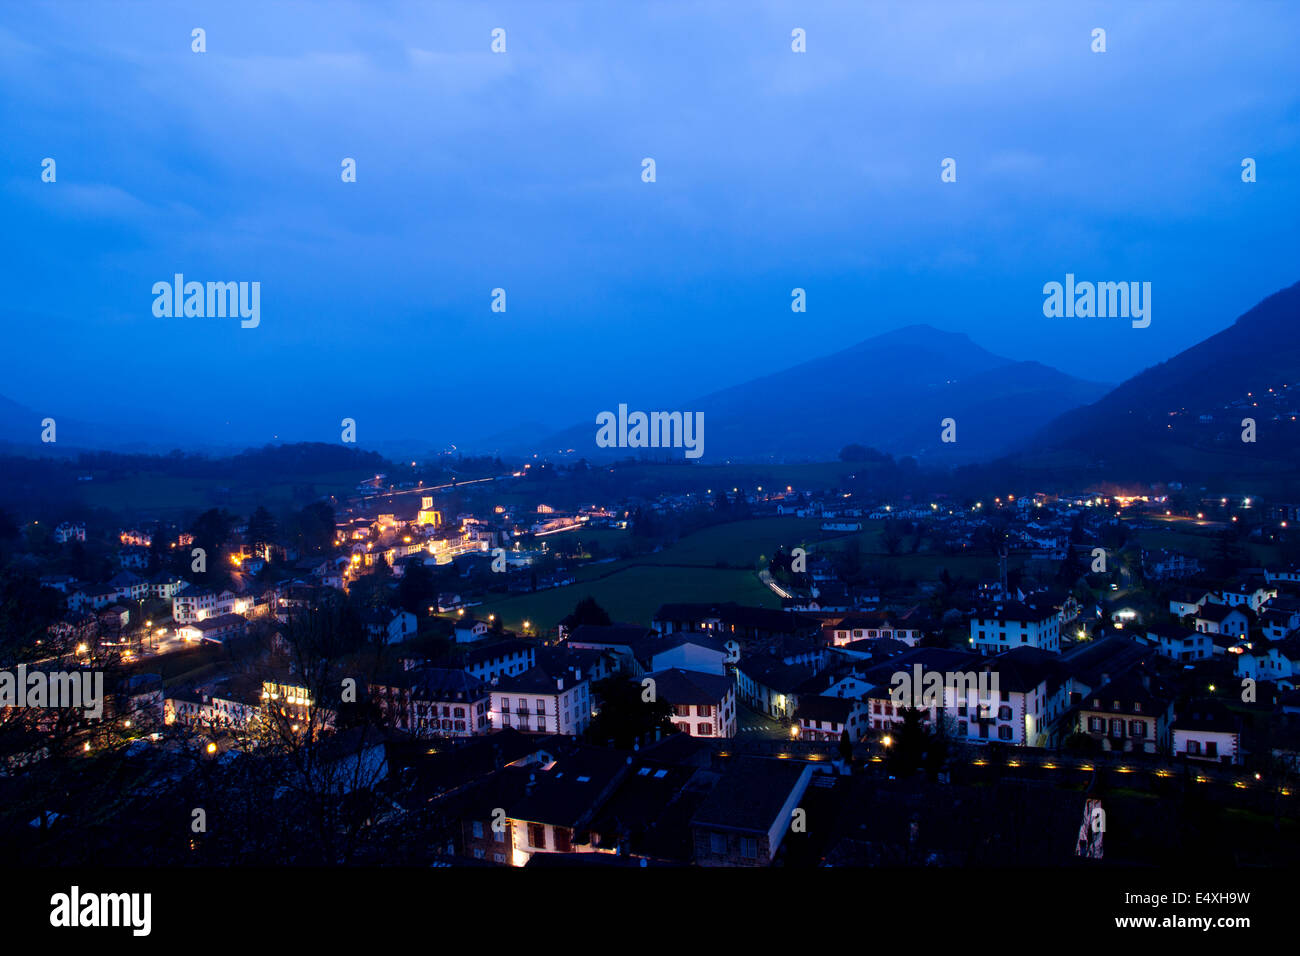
point(504, 658)
point(1187, 602)
point(1004, 627)
point(194, 603)
point(1179, 644)
point(686, 650)
point(1252, 594)
point(1291, 574)
point(469, 630)
point(1274, 661)
point(391, 626)
point(70, 531)
point(871, 625)
point(538, 702)
point(1031, 696)
point(1206, 731)
point(1222, 619)
point(826, 718)
point(215, 629)
point(703, 705)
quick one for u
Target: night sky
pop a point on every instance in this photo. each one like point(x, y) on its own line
point(522, 170)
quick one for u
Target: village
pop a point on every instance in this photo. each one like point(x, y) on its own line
point(1108, 658)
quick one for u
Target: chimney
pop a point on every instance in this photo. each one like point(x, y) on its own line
point(532, 783)
point(559, 683)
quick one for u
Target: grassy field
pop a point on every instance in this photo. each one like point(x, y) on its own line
point(717, 564)
point(1192, 538)
point(609, 539)
point(631, 595)
point(740, 542)
point(922, 566)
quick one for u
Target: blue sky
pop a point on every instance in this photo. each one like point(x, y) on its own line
point(522, 170)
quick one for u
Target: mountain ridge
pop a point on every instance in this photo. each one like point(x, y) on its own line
point(890, 391)
point(1193, 403)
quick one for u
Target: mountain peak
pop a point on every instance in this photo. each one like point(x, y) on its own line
point(922, 334)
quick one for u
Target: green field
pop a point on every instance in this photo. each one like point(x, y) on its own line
point(740, 543)
point(609, 539)
point(1188, 538)
point(630, 595)
point(718, 564)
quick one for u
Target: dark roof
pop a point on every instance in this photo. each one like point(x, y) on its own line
point(682, 749)
point(776, 674)
point(1128, 689)
point(570, 792)
point(1022, 669)
point(1013, 611)
point(877, 647)
point(613, 634)
point(497, 650)
point(1097, 661)
point(457, 763)
point(241, 688)
point(536, 680)
point(834, 709)
point(437, 683)
point(750, 796)
point(218, 622)
point(1217, 613)
point(651, 809)
point(679, 686)
point(1171, 631)
point(930, 659)
point(500, 787)
point(679, 638)
point(558, 657)
point(1208, 715)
